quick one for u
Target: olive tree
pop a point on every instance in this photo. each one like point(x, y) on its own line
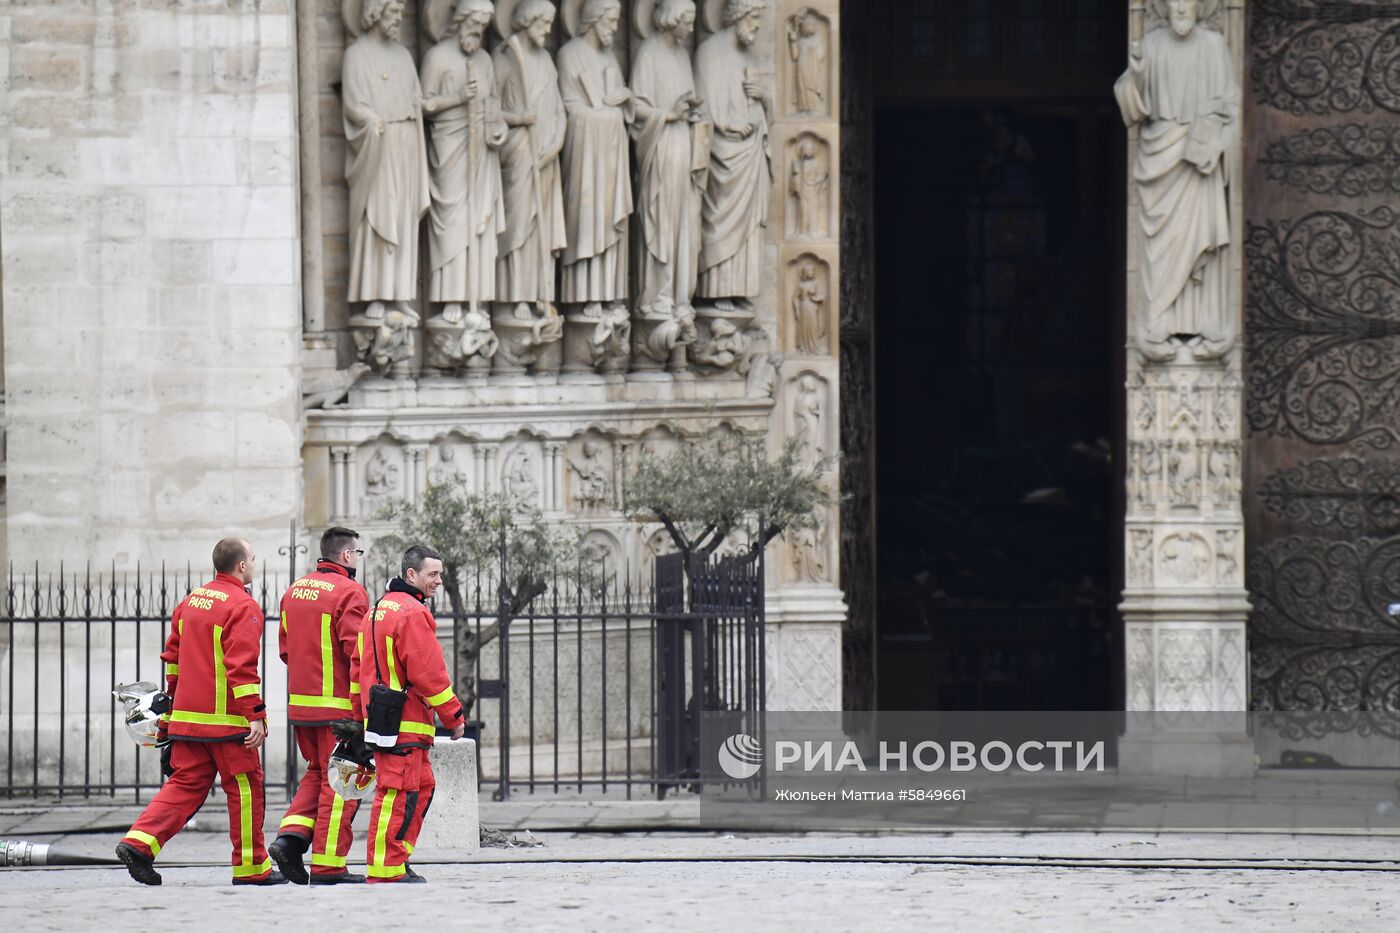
point(471, 531)
point(722, 484)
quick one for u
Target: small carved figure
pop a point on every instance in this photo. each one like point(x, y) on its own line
point(809, 183)
point(594, 478)
point(520, 484)
point(809, 310)
point(807, 49)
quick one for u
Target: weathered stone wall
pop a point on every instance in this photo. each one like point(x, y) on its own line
point(148, 212)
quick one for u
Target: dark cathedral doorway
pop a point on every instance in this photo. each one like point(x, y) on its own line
point(999, 182)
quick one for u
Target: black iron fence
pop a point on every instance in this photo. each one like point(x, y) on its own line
point(597, 683)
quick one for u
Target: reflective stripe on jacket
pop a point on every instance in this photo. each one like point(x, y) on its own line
point(410, 659)
point(320, 620)
point(211, 662)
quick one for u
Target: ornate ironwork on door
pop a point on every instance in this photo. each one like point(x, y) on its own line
point(1322, 325)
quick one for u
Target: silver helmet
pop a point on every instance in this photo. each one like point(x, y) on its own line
point(145, 703)
point(349, 775)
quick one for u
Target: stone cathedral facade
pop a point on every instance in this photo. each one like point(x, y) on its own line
point(279, 261)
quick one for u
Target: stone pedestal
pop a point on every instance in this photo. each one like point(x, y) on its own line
point(453, 823)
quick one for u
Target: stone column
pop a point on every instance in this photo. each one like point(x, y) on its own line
point(1184, 602)
point(806, 608)
point(340, 489)
point(418, 470)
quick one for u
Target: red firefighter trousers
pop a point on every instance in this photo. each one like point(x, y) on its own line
point(318, 813)
point(403, 792)
point(196, 764)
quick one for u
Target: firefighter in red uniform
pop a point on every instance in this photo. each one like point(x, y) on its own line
point(398, 648)
point(216, 724)
point(321, 616)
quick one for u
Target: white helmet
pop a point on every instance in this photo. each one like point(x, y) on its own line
point(145, 703)
point(349, 777)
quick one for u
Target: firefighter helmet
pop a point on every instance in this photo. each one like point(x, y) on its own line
point(145, 703)
point(350, 776)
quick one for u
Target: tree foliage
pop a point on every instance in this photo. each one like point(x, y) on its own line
point(722, 484)
point(470, 530)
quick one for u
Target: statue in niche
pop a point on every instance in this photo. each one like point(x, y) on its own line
point(809, 553)
point(809, 183)
point(597, 169)
point(468, 210)
point(807, 49)
point(807, 413)
point(381, 476)
point(386, 163)
point(520, 485)
point(534, 116)
point(1180, 89)
point(594, 479)
point(1183, 470)
point(446, 469)
point(672, 158)
point(1150, 467)
point(809, 309)
point(735, 206)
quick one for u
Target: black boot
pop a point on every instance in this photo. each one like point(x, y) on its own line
point(139, 866)
point(412, 877)
point(343, 878)
point(275, 878)
point(286, 850)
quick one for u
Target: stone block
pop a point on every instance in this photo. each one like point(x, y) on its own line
point(37, 69)
point(43, 159)
point(233, 212)
point(41, 259)
point(267, 162)
point(48, 28)
point(267, 440)
point(254, 262)
point(130, 163)
point(453, 823)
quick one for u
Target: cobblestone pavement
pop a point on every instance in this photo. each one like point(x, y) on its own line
point(703, 881)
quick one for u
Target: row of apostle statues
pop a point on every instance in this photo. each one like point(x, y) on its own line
point(522, 165)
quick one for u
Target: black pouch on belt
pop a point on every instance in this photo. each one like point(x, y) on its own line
point(385, 711)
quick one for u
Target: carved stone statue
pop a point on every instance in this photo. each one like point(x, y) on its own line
point(762, 377)
point(597, 176)
point(468, 211)
point(809, 554)
point(381, 479)
point(807, 413)
point(735, 206)
point(807, 49)
point(809, 310)
point(594, 478)
point(809, 184)
point(386, 163)
point(1180, 89)
point(386, 168)
point(672, 158)
point(724, 346)
point(534, 116)
point(519, 480)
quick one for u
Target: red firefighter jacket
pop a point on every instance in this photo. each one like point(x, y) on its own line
point(403, 632)
point(211, 662)
point(321, 616)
